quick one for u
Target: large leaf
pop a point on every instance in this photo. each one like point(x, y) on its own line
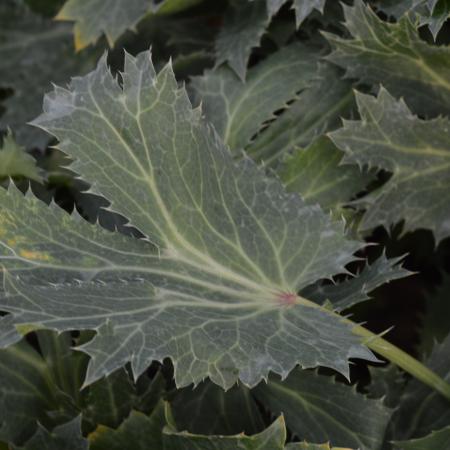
point(303, 8)
point(273, 438)
point(316, 174)
point(238, 110)
point(218, 294)
point(435, 440)
point(310, 115)
point(16, 162)
point(318, 409)
point(416, 152)
point(112, 17)
point(394, 55)
point(34, 52)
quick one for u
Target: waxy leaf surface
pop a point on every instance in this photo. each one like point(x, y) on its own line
point(415, 151)
point(213, 286)
point(393, 54)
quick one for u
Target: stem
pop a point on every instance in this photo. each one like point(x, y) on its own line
point(403, 360)
point(391, 353)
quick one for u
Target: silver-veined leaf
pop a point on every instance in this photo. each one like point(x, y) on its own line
point(213, 286)
point(415, 151)
point(393, 54)
point(319, 409)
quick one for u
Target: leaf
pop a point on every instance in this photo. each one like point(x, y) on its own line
point(207, 409)
point(273, 438)
point(34, 52)
point(356, 289)
point(319, 409)
point(238, 110)
point(15, 162)
point(433, 13)
point(303, 8)
point(244, 24)
point(26, 394)
point(394, 55)
point(110, 400)
point(306, 446)
point(422, 409)
point(218, 295)
point(316, 174)
point(436, 439)
point(64, 437)
point(309, 116)
point(137, 432)
point(112, 17)
point(416, 152)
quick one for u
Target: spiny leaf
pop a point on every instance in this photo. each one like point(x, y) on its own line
point(219, 295)
point(312, 113)
point(243, 26)
point(273, 438)
point(16, 162)
point(63, 437)
point(112, 17)
point(416, 152)
point(393, 54)
point(316, 174)
point(303, 8)
point(345, 418)
point(435, 440)
point(207, 409)
point(433, 13)
point(137, 432)
point(26, 395)
point(356, 289)
point(34, 52)
point(238, 110)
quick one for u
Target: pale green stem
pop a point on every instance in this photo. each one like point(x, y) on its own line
point(392, 353)
point(403, 360)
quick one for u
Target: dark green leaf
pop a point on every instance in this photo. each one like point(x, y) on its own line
point(395, 56)
point(238, 110)
point(64, 437)
point(318, 409)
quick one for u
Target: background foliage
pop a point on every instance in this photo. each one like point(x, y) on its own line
point(345, 104)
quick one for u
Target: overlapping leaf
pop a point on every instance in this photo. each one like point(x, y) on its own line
point(317, 109)
point(316, 174)
point(416, 152)
point(436, 439)
point(394, 55)
point(217, 296)
point(237, 109)
point(431, 12)
point(34, 52)
point(318, 409)
point(356, 289)
point(112, 17)
point(16, 162)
